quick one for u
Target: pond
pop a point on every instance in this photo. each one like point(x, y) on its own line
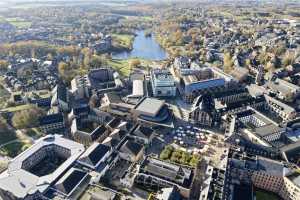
point(144, 48)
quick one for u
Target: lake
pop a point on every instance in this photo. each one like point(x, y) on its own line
point(143, 47)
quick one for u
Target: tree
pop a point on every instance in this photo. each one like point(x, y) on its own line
point(270, 67)
point(3, 65)
point(135, 63)
point(228, 63)
point(97, 62)
point(63, 68)
point(289, 58)
point(263, 57)
point(49, 56)
point(3, 124)
point(27, 118)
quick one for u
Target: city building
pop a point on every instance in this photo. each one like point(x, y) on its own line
point(73, 183)
point(194, 81)
point(270, 175)
point(60, 97)
point(282, 89)
point(259, 129)
point(152, 112)
point(163, 83)
point(32, 173)
point(53, 123)
point(112, 103)
point(203, 111)
point(160, 174)
point(284, 111)
point(143, 134)
point(131, 151)
point(101, 80)
point(87, 132)
point(95, 156)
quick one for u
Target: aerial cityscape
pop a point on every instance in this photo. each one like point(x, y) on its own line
point(150, 100)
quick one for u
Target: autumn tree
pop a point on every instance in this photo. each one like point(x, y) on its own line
point(135, 63)
point(97, 61)
point(227, 62)
point(3, 65)
point(67, 71)
point(288, 59)
point(27, 118)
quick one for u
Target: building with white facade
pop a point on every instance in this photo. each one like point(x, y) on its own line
point(163, 83)
point(31, 173)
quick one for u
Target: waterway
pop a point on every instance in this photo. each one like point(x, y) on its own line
point(144, 48)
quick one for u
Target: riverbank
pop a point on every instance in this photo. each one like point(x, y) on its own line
point(122, 42)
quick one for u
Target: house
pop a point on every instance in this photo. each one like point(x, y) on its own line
point(154, 172)
point(282, 89)
point(73, 183)
point(60, 97)
point(95, 156)
point(87, 132)
point(131, 151)
point(143, 134)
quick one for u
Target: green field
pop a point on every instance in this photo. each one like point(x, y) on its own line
point(147, 18)
point(13, 149)
point(264, 195)
point(18, 23)
point(123, 65)
point(17, 108)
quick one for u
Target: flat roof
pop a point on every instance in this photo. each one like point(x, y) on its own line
point(150, 106)
point(138, 88)
point(21, 183)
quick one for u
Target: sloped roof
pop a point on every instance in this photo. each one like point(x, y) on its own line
point(94, 154)
point(131, 147)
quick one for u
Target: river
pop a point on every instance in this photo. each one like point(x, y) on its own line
point(143, 47)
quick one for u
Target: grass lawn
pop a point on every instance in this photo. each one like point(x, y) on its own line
point(123, 65)
point(34, 133)
point(264, 195)
point(123, 40)
point(147, 18)
point(4, 96)
point(13, 149)
point(18, 23)
point(6, 136)
point(17, 108)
